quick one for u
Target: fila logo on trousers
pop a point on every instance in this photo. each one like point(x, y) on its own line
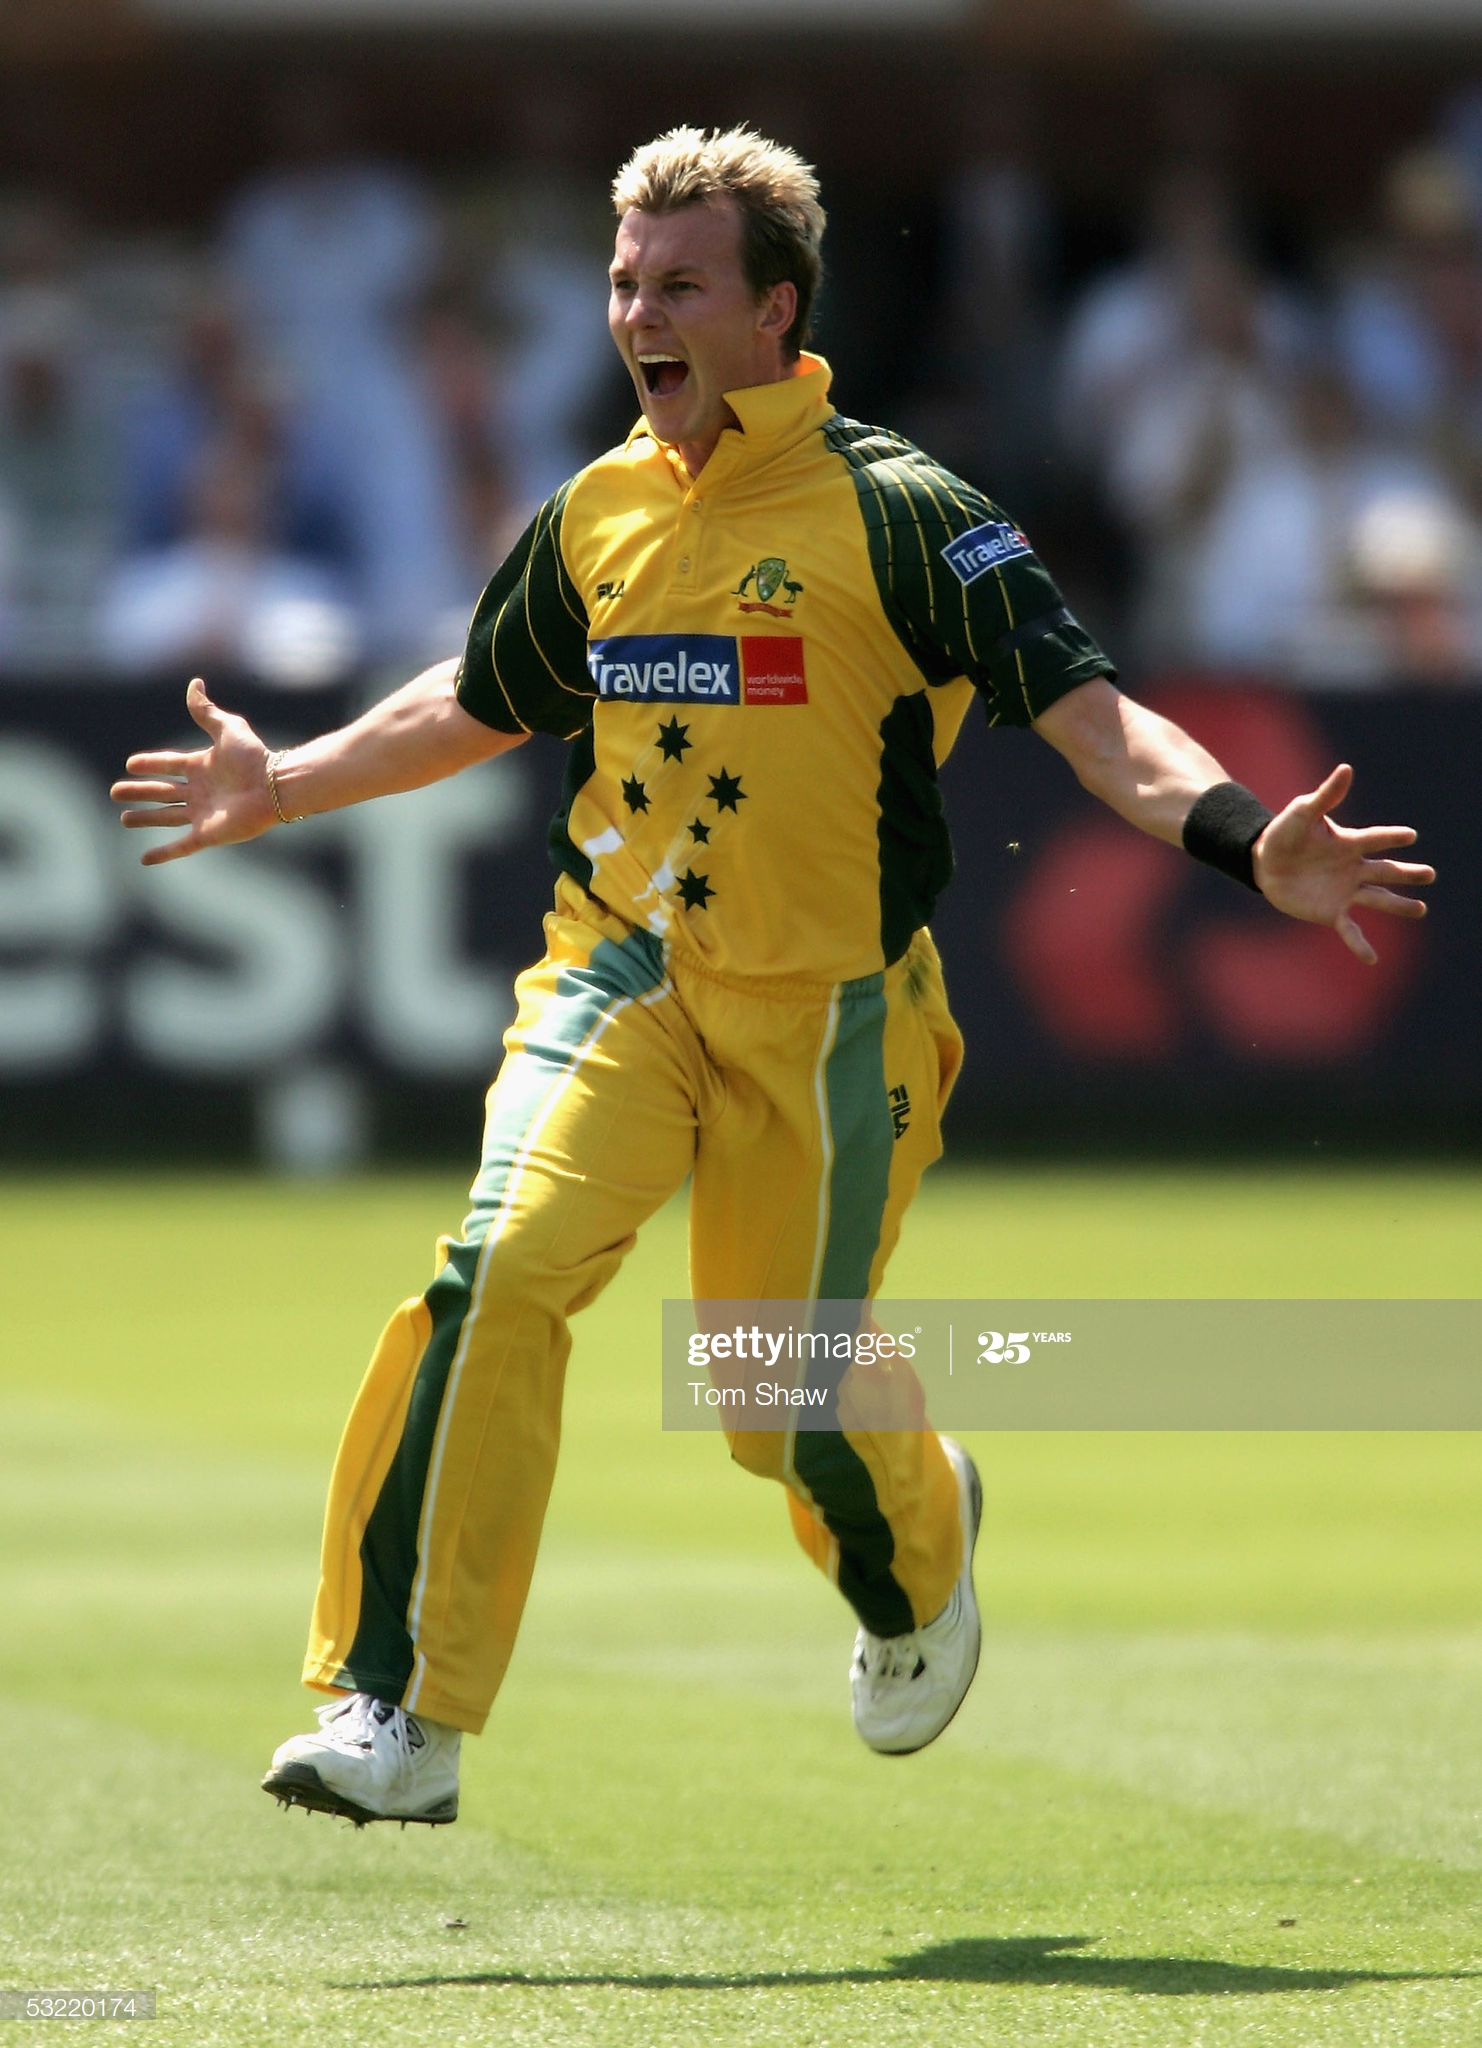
point(700, 668)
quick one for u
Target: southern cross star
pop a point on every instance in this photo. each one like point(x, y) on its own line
point(695, 890)
point(727, 791)
point(673, 739)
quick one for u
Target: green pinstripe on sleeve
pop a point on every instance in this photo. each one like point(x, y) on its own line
point(961, 586)
point(525, 666)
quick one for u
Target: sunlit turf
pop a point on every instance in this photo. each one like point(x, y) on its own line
point(1229, 1682)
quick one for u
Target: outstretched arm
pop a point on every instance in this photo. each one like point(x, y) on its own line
point(221, 793)
point(1150, 772)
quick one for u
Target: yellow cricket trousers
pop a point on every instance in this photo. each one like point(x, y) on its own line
point(806, 1115)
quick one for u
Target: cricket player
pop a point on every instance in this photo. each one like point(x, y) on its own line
point(759, 626)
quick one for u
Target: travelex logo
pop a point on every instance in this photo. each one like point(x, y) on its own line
point(700, 668)
point(982, 548)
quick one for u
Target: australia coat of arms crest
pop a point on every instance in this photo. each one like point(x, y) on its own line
point(766, 579)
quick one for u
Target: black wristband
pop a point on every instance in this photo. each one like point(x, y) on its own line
point(1222, 828)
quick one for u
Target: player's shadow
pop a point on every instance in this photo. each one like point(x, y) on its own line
point(1025, 1959)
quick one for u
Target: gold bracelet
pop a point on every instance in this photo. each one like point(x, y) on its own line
point(273, 761)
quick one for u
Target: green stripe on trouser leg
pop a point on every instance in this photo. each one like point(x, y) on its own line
point(862, 1137)
point(382, 1654)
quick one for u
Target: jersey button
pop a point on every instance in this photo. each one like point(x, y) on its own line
point(684, 565)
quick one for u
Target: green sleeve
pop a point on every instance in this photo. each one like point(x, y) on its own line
point(960, 583)
point(525, 666)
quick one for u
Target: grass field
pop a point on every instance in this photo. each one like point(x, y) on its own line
point(1220, 1780)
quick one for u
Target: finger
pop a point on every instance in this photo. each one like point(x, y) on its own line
point(161, 814)
point(147, 792)
point(1347, 931)
point(162, 764)
point(1329, 793)
point(202, 710)
point(1378, 838)
point(1412, 873)
point(1386, 900)
point(174, 849)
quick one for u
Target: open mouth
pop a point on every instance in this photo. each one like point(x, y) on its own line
point(663, 374)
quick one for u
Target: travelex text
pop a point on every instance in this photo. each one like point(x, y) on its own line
point(708, 668)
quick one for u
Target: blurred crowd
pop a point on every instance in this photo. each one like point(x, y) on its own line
point(1278, 464)
point(298, 452)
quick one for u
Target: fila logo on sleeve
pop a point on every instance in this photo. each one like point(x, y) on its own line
point(702, 668)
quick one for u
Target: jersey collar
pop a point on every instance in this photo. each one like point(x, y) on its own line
point(774, 418)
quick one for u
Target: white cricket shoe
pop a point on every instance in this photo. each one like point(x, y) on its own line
point(368, 1761)
point(905, 1689)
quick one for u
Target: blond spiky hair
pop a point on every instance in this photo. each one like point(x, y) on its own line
point(776, 192)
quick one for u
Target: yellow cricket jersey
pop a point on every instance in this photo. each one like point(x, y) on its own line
point(761, 670)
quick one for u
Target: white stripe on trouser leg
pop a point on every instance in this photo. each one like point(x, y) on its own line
point(444, 1425)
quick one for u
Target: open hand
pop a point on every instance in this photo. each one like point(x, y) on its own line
point(1316, 870)
point(220, 794)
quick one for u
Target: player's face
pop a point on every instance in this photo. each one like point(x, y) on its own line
point(687, 323)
